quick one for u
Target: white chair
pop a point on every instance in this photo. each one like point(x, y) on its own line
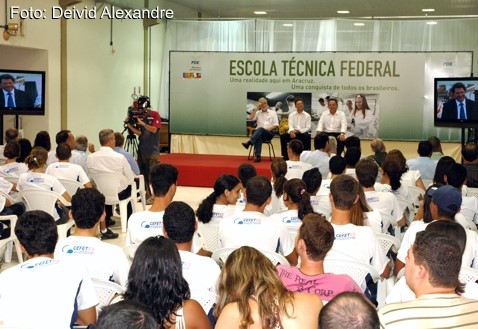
point(108, 183)
point(208, 234)
point(416, 194)
point(392, 220)
point(11, 179)
point(106, 291)
point(11, 240)
point(473, 191)
point(468, 274)
point(356, 270)
point(129, 251)
point(205, 298)
point(387, 241)
point(46, 200)
point(140, 193)
point(72, 186)
point(220, 256)
point(408, 209)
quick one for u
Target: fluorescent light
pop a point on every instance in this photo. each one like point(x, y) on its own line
point(343, 12)
point(432, 23)
point(260, 12)
point(287, 24)
point(359, 24)
point(428, 10)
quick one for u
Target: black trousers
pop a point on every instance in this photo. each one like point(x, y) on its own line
point(126, 193)
point(340, 144)
point(285, 139)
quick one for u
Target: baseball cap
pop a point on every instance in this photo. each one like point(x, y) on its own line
point(446, 197)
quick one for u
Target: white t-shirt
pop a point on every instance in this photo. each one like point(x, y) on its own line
point(276, 205)
point(67, 170)
point(289, 218)
point(385, 202)
point(39, 181)
point(145, 224)
point(410, 177)
point(76, 157)
point(321, 204)
point(325, 187)
point(295, 169)
point(469, 208)
point(220, 211)
point(44, 293)
point(360, 243)
point(13, 169)
point(373, 219)
point(252, 228)
point(318, 159)
point(6, 186)
point(200, 272)
point(104, 261)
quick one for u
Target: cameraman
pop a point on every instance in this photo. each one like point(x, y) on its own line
point(147, 129)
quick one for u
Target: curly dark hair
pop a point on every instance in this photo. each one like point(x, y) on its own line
point(156, 280)
point(87, 207)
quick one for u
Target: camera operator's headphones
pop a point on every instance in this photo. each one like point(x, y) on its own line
point(144, 102)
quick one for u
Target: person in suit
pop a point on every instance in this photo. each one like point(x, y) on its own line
point(452, 108)
point(12, 97)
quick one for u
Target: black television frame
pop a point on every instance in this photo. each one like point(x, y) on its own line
point(440, 94)
point(41, 76)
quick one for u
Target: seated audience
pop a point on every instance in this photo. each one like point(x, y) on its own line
point(63, 169)
point(82, 146)
point(409, 177)
point(423, 163)
point(352, 157)
point(392, 180)
point(12, 168)
point(43, 292)
point(251, 295)
point(379, 151)
point(337, 167)
point(179, 225)
point(104, 261)
point(349, 310)
point(11, 135)
point(314, 240)
point(155, 279)
point(251, 227)
point(25, 149)
point(245, 172)
point(279, 171)
point(65, 136)
point(363, 215)
point(36, 179)
point(469, 155)
point(221, 202)
point(119, 144)
point(297, 201)
point(42, 139)
point(320, 203)
point(443, 166)
point(318, 158)
point(126, 314)
point(437, 152)
point(295, 167)
point(432, 270)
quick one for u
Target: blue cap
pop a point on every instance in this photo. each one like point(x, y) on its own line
point(447, 198)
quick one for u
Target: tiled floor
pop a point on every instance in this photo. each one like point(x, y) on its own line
point(191, 195)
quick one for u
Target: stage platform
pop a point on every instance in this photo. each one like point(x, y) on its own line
point(202, 170)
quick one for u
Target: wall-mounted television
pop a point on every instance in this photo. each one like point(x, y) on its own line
point(22, 92)
point(456, 102)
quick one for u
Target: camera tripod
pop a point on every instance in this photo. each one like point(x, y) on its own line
point(131, 144)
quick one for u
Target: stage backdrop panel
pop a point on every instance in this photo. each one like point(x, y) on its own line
point(210, 92)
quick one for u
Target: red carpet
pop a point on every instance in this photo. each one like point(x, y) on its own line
point(203, 170)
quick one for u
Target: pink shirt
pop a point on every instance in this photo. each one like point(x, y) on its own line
point(326, 285)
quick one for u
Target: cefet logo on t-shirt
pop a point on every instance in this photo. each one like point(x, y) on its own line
point(36, 180)
point(83, 250)
point(152, 224)
point(61, 166)
point(242, 221)
point(289, 220)
point(43, 263)
point(345, 236)
point(217, 214)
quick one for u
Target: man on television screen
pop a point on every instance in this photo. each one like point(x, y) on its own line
point(10, 96)
point(459, 108)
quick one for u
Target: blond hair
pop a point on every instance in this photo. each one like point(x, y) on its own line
point(249, 274)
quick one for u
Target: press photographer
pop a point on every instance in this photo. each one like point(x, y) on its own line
point(145, 123)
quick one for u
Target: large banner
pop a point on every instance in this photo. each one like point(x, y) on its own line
point(386, 95)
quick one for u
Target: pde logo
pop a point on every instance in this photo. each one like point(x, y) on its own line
point(195, 62)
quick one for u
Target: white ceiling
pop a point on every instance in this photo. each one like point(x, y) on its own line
point(313, 9)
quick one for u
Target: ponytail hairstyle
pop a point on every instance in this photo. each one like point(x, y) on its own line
point(359, 208)
point(279, 169)
point(37, 158)
point(392, 169)
point(223, 183)
point(297, 193)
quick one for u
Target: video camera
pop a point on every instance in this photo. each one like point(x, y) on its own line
point(140, 110)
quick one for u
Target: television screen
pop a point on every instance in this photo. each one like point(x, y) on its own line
point(456, 102)
point(22, 92)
